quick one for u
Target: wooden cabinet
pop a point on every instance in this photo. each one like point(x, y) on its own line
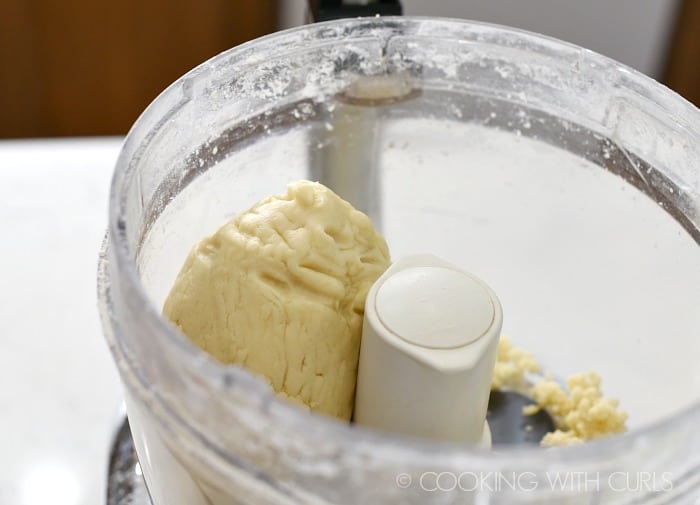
point(79, 67)
point(683, 69)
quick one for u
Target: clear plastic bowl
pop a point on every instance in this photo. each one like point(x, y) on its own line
point(568, 182)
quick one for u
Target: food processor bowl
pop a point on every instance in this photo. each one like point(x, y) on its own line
point(566, 181)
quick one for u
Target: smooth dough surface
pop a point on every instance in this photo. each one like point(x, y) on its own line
point(280, 289)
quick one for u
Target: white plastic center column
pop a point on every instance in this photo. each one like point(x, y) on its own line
point(428, 350)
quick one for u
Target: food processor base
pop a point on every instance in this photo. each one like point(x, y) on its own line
point(125, 484)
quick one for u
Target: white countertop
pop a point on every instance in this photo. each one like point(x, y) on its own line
point(58, 386)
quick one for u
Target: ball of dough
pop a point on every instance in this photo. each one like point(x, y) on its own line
point(280, 289)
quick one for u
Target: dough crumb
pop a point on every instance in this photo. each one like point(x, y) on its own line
point(512, 364)
point(559, 437)
point(580, 412)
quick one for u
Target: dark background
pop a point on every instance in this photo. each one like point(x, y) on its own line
point(86, 67)
point(79, 67)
